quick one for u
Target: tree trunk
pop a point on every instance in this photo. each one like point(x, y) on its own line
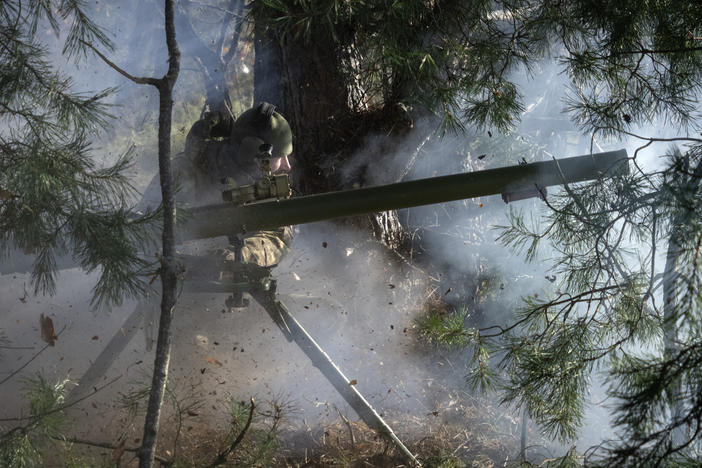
point(169, 277)
point(304, 78)
point(671, 311)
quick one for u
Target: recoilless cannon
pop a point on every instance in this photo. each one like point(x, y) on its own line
point(267, 205)
point(513, 183)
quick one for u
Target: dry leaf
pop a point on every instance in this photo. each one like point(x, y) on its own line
point(213, 361)
point(5, 195)
point(118, 451)
point(353, 382)
point(95, 338)
point(48, 334)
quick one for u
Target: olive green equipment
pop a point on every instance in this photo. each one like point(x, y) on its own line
point(263, 210)
point(269, 186)
point(262, 125)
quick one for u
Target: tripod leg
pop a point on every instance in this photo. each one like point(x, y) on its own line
point(321, 360)
point(113, 349)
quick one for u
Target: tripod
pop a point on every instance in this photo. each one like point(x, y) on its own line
point(238, 279)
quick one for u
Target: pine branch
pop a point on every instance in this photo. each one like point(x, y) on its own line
point(222, 456)
point(647, 51)
point(91, 443)
point(19, 369)
point(64, 406)
point(135, 79)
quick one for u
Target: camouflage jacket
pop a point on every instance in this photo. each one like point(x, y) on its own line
point(198, 174)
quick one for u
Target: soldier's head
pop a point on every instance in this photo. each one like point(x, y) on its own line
point(263, 125)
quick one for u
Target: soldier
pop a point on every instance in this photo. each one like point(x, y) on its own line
point(216, 148)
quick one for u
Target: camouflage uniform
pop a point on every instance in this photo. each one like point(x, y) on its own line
point(198, 174)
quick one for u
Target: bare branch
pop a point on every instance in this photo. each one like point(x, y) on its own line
point(135, 79)
point(76, 440)
point(222, 457)
point(19, 369)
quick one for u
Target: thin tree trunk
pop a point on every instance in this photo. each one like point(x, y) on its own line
point(670, 302)
point(168, 263)
point(670, 324)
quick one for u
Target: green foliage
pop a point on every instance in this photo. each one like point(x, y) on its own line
point(453, 58)
point(260, 442)
point(570, 460)
point(605, 237)
point(444, 328)
point(20, 446)
point(54, 199)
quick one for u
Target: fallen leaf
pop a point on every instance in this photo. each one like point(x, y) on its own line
point(95, 338)
point(353, 382)
point(118, 451)
point(324, 244)
point(48, 334)
point(391, 286)
point(482, 156)
point(5, 195)
point(213, 361)
point(297, 278)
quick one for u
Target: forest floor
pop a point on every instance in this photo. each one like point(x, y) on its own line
point(353, 296)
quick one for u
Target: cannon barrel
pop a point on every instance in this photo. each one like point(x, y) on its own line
point(228, 219)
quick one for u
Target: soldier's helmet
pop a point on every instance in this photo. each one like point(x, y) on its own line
point(259, 125)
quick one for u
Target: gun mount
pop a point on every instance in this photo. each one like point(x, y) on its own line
point(513, 182)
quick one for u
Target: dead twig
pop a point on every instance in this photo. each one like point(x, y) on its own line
point(75, 440)
point(348, 424)
point(222, 457)
point(19, 369)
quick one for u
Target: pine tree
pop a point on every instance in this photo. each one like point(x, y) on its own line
point(54, 198)
point(617, 308)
